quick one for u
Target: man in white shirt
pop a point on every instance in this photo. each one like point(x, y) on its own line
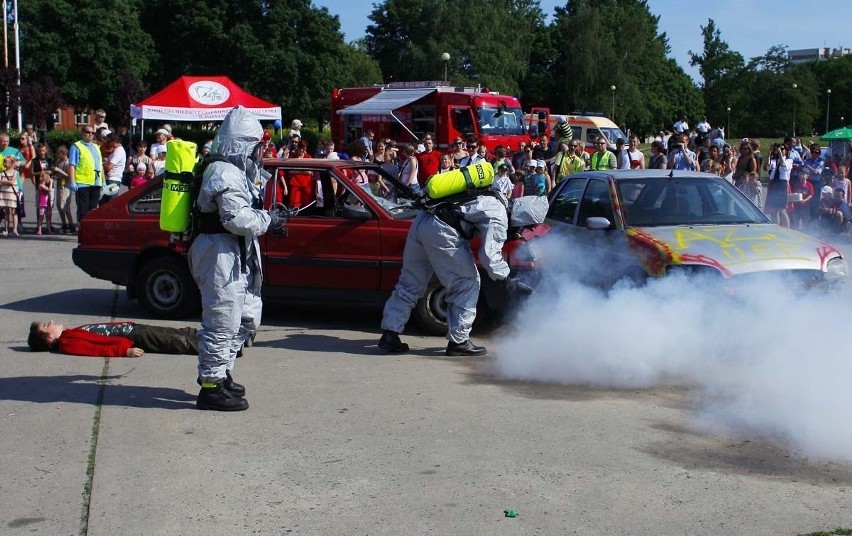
point(622, 156)
point(114, 164)
point(703, 127)
point(681, 126)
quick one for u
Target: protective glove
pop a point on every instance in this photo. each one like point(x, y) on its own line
point(279, 216)
point(275, 220)
point(516, 288)
point(72, 186)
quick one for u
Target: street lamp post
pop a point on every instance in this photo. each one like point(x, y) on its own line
point(728, 128)
point(446, 57)
point(827, 107)
point(795, 87)
point(613, 101)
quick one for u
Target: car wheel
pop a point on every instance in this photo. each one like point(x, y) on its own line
point(431, 310)
point(165, 288)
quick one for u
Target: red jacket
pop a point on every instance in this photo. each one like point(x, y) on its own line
point(78, 341)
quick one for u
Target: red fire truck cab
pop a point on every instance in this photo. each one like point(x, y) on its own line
point(406, 111)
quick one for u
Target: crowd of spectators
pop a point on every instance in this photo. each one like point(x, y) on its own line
point(794, 190)
point(801, 182)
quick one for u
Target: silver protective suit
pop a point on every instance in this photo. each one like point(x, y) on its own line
point(434, 247)
point(230, 285)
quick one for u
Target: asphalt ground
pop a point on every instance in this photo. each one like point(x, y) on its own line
point(342, 440)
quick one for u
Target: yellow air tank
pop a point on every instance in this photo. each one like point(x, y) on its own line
point(177, 186)
point(458, 181)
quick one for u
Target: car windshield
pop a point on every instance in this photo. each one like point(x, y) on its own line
point(387, 191)
point(500, 120)
point(612, 134)
point(655, 201)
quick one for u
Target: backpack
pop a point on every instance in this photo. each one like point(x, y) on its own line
point(195, 218)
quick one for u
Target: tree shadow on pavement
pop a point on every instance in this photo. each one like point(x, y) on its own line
point(87, 301)
point(83, 389)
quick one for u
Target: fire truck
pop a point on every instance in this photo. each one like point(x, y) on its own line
point(406, 111)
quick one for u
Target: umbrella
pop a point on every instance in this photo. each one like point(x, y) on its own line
point(844, 133)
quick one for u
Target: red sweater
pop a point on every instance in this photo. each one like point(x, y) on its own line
point(78, 341)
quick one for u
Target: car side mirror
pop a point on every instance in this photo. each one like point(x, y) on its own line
point(598, 223)
point(351, 212)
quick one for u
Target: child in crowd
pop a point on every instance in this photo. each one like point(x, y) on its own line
point(752, 188)
point(139, 178)
point(138, 158)
point(502, 183)
point(800, 210)
point(44, 184)
point(518, 189)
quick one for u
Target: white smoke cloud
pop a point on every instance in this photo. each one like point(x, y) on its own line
point(768, 360)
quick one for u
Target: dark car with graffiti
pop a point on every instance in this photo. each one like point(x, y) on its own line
point(652, 223)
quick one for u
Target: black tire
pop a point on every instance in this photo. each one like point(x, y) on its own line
point(431, 310)
point(165, 288)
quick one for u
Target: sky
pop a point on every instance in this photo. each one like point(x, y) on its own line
point(750, 27)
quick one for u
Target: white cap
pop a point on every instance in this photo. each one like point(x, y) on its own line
point(296, 124)
point(827, 190)
point(141, 167)
point(540, 163)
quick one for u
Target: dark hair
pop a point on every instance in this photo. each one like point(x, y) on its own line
point(37, 339)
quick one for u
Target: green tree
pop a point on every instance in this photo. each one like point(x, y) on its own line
point(40, 99)
point(722, 72)
point(617, 43)
point(772, 104)
point(85, 47)
point(489, 41)
point(219, 37)
point(717, 61)
point(834, 75)
point(306, 51)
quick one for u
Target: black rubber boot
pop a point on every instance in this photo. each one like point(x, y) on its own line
point(390, 343)
point(464, 349)
point(235, 388)
point(215, 397)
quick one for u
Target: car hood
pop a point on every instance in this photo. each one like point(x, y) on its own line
point(732, 249)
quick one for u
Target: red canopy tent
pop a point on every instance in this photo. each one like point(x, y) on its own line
point(201, 98)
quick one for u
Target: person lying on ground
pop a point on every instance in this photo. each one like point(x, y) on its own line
point(112, 339)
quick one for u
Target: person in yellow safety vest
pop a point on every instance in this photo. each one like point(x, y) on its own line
point(602, 158)
point(567, 162)
point(85, 172)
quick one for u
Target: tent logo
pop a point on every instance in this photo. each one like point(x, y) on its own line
point(208, 92)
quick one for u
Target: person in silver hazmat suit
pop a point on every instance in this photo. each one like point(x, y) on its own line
point(224, 257)
point(438, 243)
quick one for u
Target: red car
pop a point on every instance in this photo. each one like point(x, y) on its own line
point(344, 246)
